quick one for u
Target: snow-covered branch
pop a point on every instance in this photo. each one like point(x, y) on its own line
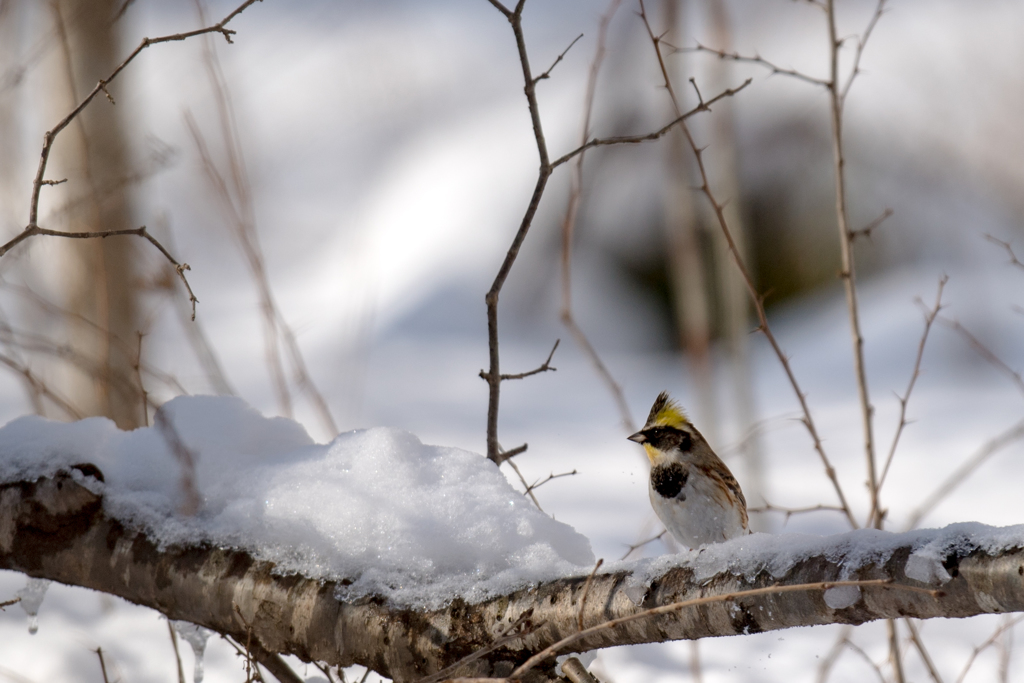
point(56, 528)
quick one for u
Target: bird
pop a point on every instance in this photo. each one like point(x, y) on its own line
point(692, 491)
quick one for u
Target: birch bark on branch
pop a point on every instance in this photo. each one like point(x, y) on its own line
point(56, 528)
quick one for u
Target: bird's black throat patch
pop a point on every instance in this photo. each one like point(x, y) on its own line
point(669, 480)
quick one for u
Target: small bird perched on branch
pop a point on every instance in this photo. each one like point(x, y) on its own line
point(692, 491)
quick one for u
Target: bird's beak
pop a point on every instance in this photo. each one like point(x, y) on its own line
point(639, 437)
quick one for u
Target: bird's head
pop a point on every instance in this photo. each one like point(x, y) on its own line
point(667, 432)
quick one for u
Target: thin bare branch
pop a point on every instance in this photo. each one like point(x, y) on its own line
point(101, 86)
point(528, 491)
point(985, 645)
point(544, 367)
point(493, 374)
point(661, 132)
point(569, 226)
point(755, 59)
point(929, 319)
point(915, 638)
point(636, 546)
point(103, 664)
point(857, 649)
point(547, 74)
point(538, 484)
point(895, 659)
point(586, 591)
point(959, 475)
point(191, 500)
point(870, 227)
point(825, 668)
point(848, 272)
point(1005, 650)
point(862, 41)
point(984, 351)
point(1009, 250)
point(756, 298)
point(177, 653)
point(235, 193)
point(38, 386)
point(180, 268)
point(789, 512)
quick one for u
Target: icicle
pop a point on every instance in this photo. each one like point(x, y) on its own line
point(32, 599)
point(196, 636)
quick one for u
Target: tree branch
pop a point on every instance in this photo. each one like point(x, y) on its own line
point(56, 528)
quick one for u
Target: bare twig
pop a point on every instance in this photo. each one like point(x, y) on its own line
point(862, 40)
point(235, 194)
point(661, 132)
point(103, 664)
point(825, 668)
point(789, 512)
point(870, 227)
point(1009, 250)
point(960, 474)
point(854, 647)
point(1005, 650)
point(528, 491)
point(186, 459)
point(586, 591)
point(547, 167)
point(564, 643)
point(538, 484)
point(177, 653)
point(755, 59)
point(636, 546)
point(984, 351)
point(39, 387)
point(34, 343)
point(547, 74)
point(755, 296)
point(569, 226)
point(837, 96)
point(101, 86)
point(915, 638)
point(544, 367)
point(848, 272)
point(929, 318)
point(142, 386)
point(895, 660)
point(987, 644)
point(180, 268)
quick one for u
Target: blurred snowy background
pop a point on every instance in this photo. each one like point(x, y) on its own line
point(389, 158)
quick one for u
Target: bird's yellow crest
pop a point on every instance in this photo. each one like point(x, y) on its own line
point(666, 413)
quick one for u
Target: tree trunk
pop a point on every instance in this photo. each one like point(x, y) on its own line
point(100, 282)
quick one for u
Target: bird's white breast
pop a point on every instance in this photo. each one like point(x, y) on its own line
point(699, 518)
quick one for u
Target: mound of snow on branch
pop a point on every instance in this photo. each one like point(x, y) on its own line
point(415, 523)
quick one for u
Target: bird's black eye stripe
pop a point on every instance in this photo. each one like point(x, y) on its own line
point(667, 438)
